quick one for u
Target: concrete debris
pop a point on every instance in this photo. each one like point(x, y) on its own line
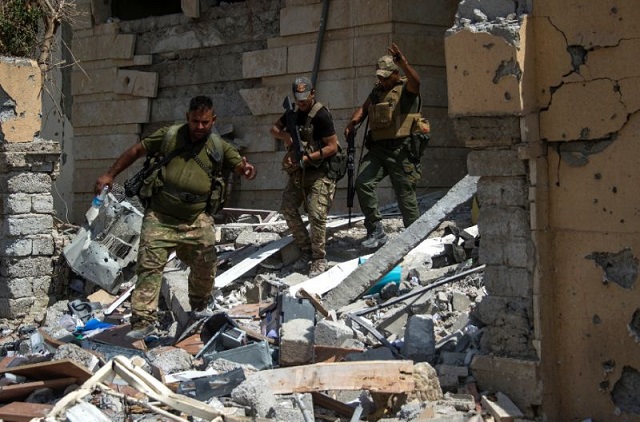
point(275, 348)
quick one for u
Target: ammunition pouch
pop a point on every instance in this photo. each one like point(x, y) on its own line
point(216, 198)
point(381, 115)
point(403, 125)
point(289, 163)
point(335, 167)
point(419, 140)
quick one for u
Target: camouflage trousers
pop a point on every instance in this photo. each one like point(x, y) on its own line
point(315, 191)
point(386, 159)
point(194, 244)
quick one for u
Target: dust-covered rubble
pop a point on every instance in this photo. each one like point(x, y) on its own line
point(266, 353)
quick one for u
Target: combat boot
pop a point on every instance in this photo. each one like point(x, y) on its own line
point(302, 263)
point(377, 237)
point(141, 328)
point(318, 266)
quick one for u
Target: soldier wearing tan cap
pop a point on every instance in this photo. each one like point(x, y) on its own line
point(393, 109)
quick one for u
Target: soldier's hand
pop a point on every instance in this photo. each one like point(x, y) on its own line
point(248, 170)
point(105, 179)
point(348, 129)
point(396, 53)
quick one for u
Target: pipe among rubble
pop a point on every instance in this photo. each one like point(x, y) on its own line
point(421, 290)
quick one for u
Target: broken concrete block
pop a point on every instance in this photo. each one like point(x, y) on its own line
point(76, 354)
point(296, 341)
point(501, 408)
point(419, 339)
point(461, 402)
point(455, 370)
point(294, 407)
point(427, 386)
point(330, 333)
point(452, 358)
point(379, 353)
point(170, 359)
point(448, 382)
point(249, 237)
point(253, 393)
point(460, 302)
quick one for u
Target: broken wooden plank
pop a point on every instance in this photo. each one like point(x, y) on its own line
point(322, 400)
point(147, 384)
point(23, 412)
point(22, 391)
point(86, 388)
point(51, 370)
point(315, 301)
point(191, 344)
point(376, 376)
point(389, 255)
point(120, 300)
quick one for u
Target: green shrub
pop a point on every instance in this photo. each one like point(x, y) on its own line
point(19, 28)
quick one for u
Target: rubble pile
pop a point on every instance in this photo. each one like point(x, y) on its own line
point(400, 350)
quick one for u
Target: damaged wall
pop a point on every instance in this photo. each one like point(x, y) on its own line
point(136, 76)
point(547, 97)
point(28, 166)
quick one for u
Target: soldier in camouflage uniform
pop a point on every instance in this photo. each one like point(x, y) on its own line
point(178, 218)
point(393, 108)
point(309, 185)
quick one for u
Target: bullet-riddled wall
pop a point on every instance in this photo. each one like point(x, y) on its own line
point(135, 76)
point(546, 95)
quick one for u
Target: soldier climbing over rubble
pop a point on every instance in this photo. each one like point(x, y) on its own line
point(310, 138)
point(181, 199)
point(395, 142)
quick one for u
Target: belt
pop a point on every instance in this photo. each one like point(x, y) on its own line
point(188, 197)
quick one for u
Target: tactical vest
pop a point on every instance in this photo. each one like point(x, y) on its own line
point(385, 119)
point(214, 200)
point(306, 131)
point(334, 167)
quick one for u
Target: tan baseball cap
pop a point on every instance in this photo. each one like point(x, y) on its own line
point(385, 66)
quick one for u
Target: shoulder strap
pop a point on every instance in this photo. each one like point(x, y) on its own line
point(168, 144)
point(170, 139)
point(312, 113)
point(214, 148)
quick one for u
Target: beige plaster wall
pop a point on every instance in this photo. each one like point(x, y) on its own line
point(21, 82)
point(589, 120)
point(579, 126)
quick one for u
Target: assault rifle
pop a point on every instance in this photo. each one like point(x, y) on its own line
point(133, 185)
point(290, 120)
point(351, 166)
